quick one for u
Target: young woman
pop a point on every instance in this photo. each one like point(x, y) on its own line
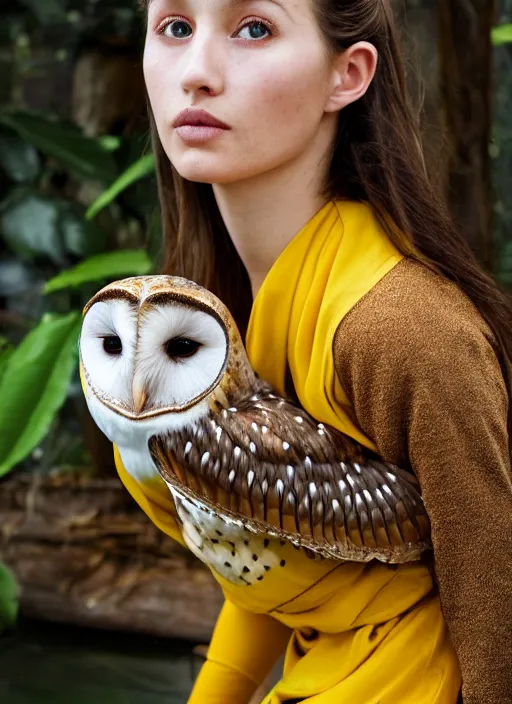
point(308, 211)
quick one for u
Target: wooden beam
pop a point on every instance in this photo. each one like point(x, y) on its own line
point(418, 25)
point(466, 57)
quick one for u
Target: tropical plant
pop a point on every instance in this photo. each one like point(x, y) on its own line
point(501, 147)
point(51, 261)
point(8, 599)
point(502, 34)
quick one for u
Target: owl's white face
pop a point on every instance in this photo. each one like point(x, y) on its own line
point(145, 362)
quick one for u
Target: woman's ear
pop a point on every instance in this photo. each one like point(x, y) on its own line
point(353, 71)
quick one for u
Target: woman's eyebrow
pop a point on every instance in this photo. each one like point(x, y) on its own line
point(238, 3)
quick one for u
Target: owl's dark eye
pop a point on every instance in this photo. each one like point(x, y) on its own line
point(112, 344)
point(180, 347)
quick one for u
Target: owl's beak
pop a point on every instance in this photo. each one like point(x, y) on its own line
point(139, 396)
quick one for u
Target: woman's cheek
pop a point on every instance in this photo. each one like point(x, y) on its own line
point(158, 79)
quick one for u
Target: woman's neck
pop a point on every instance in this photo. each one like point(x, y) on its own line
point(263, 215)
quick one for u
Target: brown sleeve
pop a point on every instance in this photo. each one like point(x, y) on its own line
point(420, 367)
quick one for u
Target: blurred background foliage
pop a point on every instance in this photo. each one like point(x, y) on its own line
point(72, 121)
point(501, 147)
point(78, 203)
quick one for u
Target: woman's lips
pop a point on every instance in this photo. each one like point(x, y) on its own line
point(198, 134)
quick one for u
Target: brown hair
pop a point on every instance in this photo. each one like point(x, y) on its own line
point(377, 158)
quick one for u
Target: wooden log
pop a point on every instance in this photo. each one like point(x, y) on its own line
point(84, 553)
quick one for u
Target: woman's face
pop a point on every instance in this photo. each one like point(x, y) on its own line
point(261, 66)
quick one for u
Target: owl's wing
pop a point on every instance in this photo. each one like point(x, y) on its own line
point(268, 464)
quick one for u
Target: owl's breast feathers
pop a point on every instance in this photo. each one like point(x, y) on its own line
point(267, 463)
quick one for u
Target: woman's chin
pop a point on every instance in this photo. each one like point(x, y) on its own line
point(201, 173)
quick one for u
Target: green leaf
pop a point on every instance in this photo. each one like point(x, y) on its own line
point(35, 384)
point(6, 350)
point(141, 168)
point(502, 34)
point(124, 262)
point(34, 225)
point(29, 225)
point(109, 142)
point(17, 277)
point(81, 237)
point(84, 156)
point(8, 598)
point(18, 158)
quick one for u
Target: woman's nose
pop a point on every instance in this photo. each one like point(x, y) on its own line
point(202, 67)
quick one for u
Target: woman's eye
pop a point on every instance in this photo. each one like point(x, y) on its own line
point(177, 29)
point(180, 347)
point(112, 344)
point(257, 26)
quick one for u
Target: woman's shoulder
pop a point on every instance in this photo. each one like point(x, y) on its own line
point(417, 341)
point(411, 318)
point(415, 302)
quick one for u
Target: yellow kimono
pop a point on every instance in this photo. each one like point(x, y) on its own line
point(360, 633)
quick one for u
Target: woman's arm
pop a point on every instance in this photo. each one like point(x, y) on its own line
point(426, 385)
point(243, 650)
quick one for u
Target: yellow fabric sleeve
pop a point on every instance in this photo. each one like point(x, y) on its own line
point(154, 499)
point(244, 645)
point(244, 648)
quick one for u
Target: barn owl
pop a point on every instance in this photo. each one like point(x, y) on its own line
point(167, 379)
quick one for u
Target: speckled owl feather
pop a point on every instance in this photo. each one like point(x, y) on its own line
point(267, 462)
